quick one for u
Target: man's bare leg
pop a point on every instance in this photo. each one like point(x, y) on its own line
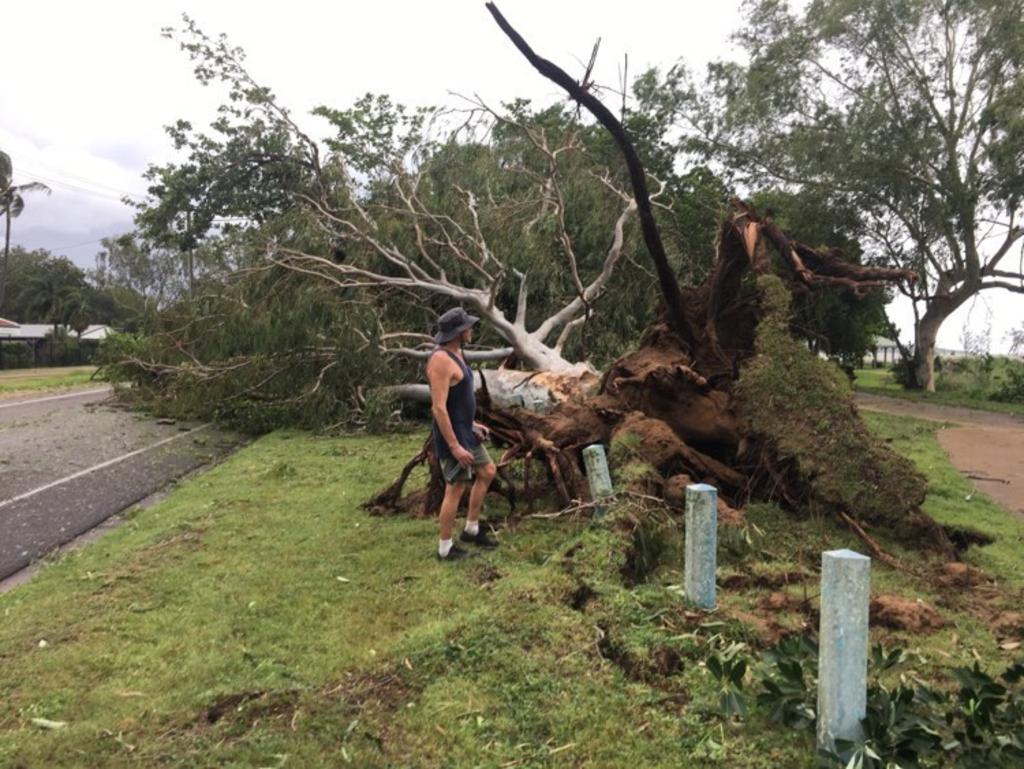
point(449, 507)
point(484, 476)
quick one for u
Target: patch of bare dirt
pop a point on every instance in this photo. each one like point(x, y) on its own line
point(985, 446)
point(993, 458)
point(1009, 624)
point(898, 613)
point(960, 575)
point(252, 706)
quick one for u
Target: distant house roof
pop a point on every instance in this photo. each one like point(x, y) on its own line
point(30, 331)
point(27, 331)
point(4, 323)
point(97, 332)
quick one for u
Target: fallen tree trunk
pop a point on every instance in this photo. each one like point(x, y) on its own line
point(538, 391)
point(719, 391)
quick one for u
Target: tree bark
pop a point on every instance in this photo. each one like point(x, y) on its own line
point(924, 354)
point(927, 331)
point(538, 391)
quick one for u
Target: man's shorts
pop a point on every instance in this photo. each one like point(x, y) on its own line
point(453, 472)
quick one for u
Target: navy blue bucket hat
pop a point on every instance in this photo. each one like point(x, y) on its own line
point(453, 323)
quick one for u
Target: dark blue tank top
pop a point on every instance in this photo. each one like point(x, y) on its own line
point(461, 405)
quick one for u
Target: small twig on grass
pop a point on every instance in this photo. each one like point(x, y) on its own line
point(608, 501)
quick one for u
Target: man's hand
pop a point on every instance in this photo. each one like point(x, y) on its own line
point(481, 431)
point(463, 457)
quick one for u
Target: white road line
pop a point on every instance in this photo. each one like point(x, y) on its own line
point(53, 398)
point(100, 466)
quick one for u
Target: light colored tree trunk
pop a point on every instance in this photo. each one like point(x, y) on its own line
point(532, 390)
point(924, 356)
point(927, 331)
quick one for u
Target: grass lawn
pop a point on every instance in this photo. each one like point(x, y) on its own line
point(880, 381)
point(34, 379)
point(258, 617)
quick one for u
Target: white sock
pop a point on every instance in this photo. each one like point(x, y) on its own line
point(444, 546)
point(472, 528)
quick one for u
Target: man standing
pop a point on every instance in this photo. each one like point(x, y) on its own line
point(457, 438)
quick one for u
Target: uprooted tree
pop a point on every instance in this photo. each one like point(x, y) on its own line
point(512, 212)
point(718, 391)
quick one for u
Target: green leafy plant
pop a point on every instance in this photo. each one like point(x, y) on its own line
point(789, 682)
point(729, 668)
point(987, 718)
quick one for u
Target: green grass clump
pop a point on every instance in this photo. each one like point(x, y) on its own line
point(953, 500)
point(18, 380)
point(803, 407)
point(259, 617)
point(951, 391)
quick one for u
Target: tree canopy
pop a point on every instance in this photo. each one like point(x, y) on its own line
point(909, 113)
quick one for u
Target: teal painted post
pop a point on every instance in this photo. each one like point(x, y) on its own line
point(598, 477)
point(843, 646)
point(701, 544)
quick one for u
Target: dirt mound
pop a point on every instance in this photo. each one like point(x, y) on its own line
point(1009, 624)
point(898, 613)
point(960, 575)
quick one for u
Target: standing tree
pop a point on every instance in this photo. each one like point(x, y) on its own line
point(53, 294)
point(151, 273)
point(910, 113)
point(11, 206)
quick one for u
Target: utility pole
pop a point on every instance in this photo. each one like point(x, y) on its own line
point(189, 256)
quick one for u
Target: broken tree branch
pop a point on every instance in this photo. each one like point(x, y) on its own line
point(652, 238)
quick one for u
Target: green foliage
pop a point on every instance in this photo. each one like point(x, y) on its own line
point(258, 357)
point(834, 321)
point(729, 669)
point(909, 114)
point(43, 287)
point(12, 203)
point(523, 189)
point(981, 725)
point(788, 678)
point(1012, 388)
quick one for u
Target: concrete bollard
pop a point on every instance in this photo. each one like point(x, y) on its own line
point(701, 544)
point(598, 477)
point(843, 646)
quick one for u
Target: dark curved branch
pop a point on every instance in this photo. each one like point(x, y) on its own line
point(652, 238)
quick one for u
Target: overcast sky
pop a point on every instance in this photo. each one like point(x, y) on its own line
point(94, 84)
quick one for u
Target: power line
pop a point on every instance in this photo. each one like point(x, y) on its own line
point(76, 179)
point(118, 196)
point(79, 245)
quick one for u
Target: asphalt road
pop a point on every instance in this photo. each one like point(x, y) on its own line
point(69, 462)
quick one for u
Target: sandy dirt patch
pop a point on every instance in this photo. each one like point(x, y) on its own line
point(986, 447)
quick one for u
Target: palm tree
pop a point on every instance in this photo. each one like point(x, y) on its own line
point(52, 298)
point(11, 206)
